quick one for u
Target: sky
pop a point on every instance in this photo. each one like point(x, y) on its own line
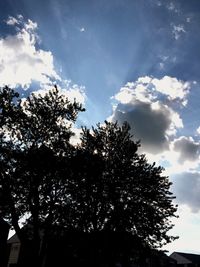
point(126, 60)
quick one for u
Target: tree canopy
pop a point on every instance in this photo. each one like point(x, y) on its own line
point(101, 185)
point(34, 140)
point(118, 190)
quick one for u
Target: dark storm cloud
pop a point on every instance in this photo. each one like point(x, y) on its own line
point(148, 105)
point(148, 125)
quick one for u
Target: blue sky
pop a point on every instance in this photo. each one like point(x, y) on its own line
point(134, 60)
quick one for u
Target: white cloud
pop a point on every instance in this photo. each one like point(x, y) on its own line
point(161, 65)
point(82, 29)
point(169, 5)
point(21, 62)
point(12, 21)
point(30, 25)
point(198, 130)
point(144, 80)
point(178, 30)
point(72, 92)
point(131, 92)
point(172, 7)
point(76, 92)
point(135, 91)
point(146, 89)
point(172, 88)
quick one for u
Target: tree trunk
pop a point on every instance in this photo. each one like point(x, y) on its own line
point(4, 230)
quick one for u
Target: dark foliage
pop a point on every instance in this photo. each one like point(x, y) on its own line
point(34, 147)
point(118, 190)
point(102, 193)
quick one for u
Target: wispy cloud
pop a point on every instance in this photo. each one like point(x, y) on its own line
point(178, 30)
point(13, 21)
point(82, 29)
point(172, 7)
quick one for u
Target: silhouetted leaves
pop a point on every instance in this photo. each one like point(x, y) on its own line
point(102, 191)
point(118, 190)
point(34, 155)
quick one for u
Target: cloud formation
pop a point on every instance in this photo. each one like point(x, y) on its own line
point(188, 149)
point(172, 88)
point(147, 105)
point(21, 62)
point(147, 88)
point(177, 31)
point(148, 125)
point(171, 6)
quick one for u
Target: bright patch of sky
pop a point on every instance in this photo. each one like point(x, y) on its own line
point(124, 60)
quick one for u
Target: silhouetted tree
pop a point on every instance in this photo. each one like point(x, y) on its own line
point(34, 147)
point(118, 191)
point(104, 197)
